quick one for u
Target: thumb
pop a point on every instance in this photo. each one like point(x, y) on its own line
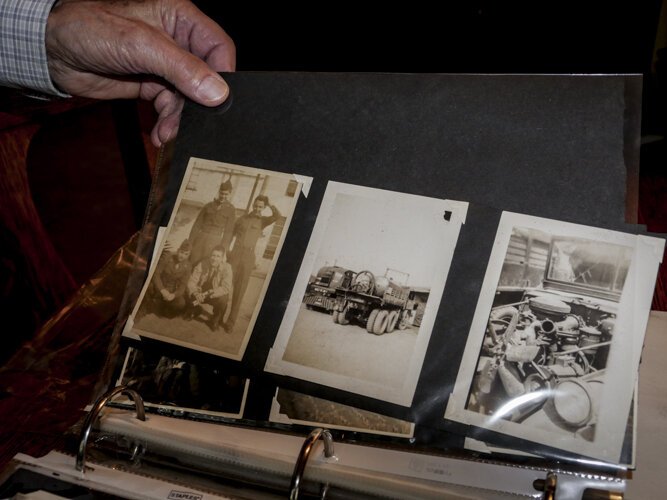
point(189, 74)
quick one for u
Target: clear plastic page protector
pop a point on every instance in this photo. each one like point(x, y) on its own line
point(515, 306)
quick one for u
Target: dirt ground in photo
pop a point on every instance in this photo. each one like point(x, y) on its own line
point(196, 333)
point(349, 350)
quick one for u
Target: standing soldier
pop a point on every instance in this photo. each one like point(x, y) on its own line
point(247, 230)
point(214, 224)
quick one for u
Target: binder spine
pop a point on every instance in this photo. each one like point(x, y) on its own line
point(247, 460)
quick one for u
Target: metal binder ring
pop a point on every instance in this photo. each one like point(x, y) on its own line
point(94, 413)
point(302, 459)
point(550, 486)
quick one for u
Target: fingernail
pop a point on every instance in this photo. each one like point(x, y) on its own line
point(212, 88)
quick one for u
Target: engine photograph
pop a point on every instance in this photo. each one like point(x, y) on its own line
point(549, 331)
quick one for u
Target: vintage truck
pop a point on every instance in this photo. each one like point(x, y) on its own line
point(380, 303)
point(321, 291)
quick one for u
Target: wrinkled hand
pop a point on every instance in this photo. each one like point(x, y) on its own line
point(151, 49)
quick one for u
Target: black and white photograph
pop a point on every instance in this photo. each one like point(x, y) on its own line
point(217, 257)
point(553, 349)
point(290, 407)
point(362, 310)
point(172, 384)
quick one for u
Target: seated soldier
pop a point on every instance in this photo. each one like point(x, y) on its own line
point(210, 283)
point(166, 291)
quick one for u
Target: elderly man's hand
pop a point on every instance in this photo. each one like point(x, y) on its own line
point(151, 49)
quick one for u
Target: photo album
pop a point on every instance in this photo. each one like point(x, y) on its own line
point(433, 274)
point(550, 356)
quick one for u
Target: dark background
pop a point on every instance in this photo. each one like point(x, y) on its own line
point(471, 36)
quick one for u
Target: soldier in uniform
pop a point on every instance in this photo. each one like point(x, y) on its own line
point(247, 230)
point(214, 224)
point(166, 292)
point(210, 283)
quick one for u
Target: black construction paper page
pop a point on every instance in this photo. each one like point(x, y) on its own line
point(547, 146)
point(552, 146)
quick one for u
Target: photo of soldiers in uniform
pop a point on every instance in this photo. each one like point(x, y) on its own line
point(217, 257)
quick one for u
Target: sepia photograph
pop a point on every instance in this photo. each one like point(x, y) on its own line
point(173, 384)
point(553, 346)
point(291, 407)
point(362, 309)
point(216, 258)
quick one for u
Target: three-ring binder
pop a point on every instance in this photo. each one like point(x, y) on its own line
point(302, 459)
point(231, 465)
point(94, 413)
point(299, 466)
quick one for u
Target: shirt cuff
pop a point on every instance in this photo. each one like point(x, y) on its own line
point(23, 62)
